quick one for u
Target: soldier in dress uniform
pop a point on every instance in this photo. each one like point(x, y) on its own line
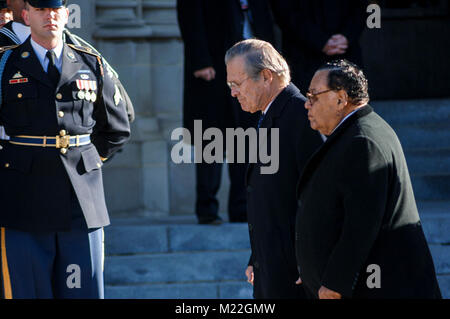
point(16, 32)
point(64, 116)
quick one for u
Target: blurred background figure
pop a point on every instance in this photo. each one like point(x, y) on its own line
point(6, 14)
point(318, 31)
point(208, 29)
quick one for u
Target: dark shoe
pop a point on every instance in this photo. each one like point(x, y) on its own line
point(216, 221)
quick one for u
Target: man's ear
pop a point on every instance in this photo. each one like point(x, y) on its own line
point(67, 16)
point(342, 97)
point(25, 17)
point(267, 75)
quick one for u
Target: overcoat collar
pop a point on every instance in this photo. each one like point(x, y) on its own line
point(315, 159)
point(274, 112)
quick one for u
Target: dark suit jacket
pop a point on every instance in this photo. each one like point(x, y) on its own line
point(36, 182)
point(271, 197)
point(357, 208)
point(209, 29)
point(306, 26)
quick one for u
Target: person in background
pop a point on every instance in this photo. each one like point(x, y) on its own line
point(317, 31)
point(208, 29)
point(6, 14)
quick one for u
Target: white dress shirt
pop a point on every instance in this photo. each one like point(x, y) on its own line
point(342, 121)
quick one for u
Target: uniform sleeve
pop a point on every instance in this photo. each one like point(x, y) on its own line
point(192, 28)
point(112, 127)
point(363, 185)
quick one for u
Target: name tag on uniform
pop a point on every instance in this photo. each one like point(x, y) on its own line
point(18, 78)
point(16, 81)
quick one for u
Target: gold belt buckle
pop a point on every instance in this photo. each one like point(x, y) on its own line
point(63, 141)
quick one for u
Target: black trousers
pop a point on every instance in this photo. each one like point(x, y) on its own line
point(208, 183)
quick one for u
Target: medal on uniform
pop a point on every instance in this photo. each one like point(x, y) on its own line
point(93, 97)
point(80, 95)
point(87, 96)
point(25, 54)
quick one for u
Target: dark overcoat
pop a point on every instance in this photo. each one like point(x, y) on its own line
point(357, 209)
point(271, 197)
point(209, 29)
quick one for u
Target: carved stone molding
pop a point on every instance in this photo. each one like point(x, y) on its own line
point(136, 19)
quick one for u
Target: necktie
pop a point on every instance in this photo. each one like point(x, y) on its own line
point(52, 70)
point(261, 118)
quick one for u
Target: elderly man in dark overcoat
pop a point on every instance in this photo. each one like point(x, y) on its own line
point(259, 78)
point(358, 231)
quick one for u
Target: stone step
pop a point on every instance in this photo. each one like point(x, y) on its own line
point(431, 187)
point(128, 236)
point(435, 111)
point(435, 217)
point(205, 266)
point(423, 161)
point(125, 237)
point(424, 136)
point(223, 290)
point(441, 258)
point(216, 290)
point(176, 267)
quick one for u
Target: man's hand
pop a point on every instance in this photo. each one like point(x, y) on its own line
point(337, 44)
point(206, 74)
point(325, 293)
point(299, 281)
point(250, 275)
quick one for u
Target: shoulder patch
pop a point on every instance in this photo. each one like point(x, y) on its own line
point(83, 49)
point(8, 47)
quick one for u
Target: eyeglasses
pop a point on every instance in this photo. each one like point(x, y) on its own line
point(312, 96)
point(234, 85)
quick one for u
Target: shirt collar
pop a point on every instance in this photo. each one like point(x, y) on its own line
point(346, 117)
point(41, 52)
point(267, 107)
point(22, 31)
